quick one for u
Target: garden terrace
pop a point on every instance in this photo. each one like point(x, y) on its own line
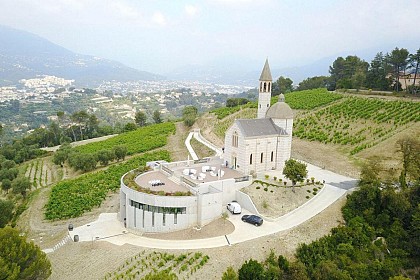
point(142, 183)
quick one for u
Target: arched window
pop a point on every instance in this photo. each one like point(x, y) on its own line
point(272, 156)
point(260, 86)
point(269, 87)
point(265, 86)
point(235, 139)
point(250, 159)
point(262, 157)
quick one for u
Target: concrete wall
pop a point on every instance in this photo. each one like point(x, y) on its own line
point(246, 202)
point(228, 187)
point(200, 210)
point(211, 207)
point(147, 221)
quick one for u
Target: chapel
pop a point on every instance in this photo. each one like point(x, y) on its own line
point(262, 144)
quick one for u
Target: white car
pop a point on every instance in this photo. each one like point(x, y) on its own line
point(234, 207)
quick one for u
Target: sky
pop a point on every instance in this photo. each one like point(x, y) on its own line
point(161, 36)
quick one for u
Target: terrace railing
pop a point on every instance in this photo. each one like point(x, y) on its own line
point(167, 170)
point(242, 179)
point(202, 160)
point(188, 182)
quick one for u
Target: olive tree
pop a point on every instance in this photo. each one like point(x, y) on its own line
point(295, 171)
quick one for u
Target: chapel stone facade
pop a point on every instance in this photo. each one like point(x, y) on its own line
point(261, 144)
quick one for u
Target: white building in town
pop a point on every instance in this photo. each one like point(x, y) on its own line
point(257, 145)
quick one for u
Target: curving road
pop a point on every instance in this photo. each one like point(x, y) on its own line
point(108, 228)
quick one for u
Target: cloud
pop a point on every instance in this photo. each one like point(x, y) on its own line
point(191, 10)
point(159, 19)
point(125, 11)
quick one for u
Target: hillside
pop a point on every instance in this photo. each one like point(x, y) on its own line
point(24, 55)
point(334, 131)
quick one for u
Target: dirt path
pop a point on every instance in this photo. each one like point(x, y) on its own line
point(176, 142)
point(206, 124)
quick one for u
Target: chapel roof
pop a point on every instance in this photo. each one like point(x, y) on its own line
point(259, 127)
point(280, 110)
point(266, 73)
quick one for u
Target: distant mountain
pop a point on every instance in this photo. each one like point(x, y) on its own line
point(24, 55)
point(225, 75)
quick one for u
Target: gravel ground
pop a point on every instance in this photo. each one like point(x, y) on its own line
point(277, 201)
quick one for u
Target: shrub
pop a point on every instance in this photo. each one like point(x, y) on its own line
point(266, 176)
point(307, 197)
point(266, 189)
point(258, 187)
point(265, 204)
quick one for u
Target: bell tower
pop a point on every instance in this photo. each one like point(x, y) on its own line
point(264, 91)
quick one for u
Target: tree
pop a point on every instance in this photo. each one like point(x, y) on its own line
point(87, 162)
point(295, 171)
point(398, 59)
point(348, 73)
point(282, 85)
point(20, 259)
point(140, 118)
point(120, 152)
point(415, 231)
point(1, 133)
point(189, 115)
point(6, 184)
point(130, 126)
point(80, 118)
point(410, 150)
point(297, 271)
point(329, 270)
point(376, 77)
point(251, 270)
point(157, 116)
point(370, 170)
point(230, 274)
point(21, 185)
point(6, 210)
point(232, 102)
point(105, 156)
point(61, 155)
point(313, 83)
point(414, 63)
